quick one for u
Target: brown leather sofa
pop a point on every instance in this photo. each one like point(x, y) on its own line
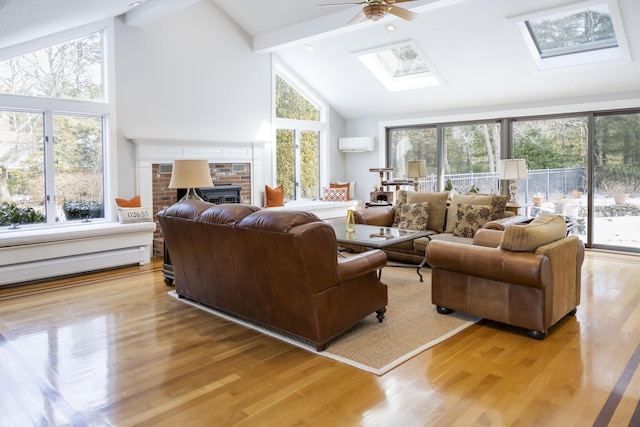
point(532, 280)
point(276, 268)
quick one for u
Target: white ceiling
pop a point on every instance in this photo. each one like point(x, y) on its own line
point(471, 45)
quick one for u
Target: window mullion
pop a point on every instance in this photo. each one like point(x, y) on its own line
point(49, 193)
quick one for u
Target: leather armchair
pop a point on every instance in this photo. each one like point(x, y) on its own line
point(529, 289)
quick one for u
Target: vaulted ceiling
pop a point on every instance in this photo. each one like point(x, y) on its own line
point(471, 45)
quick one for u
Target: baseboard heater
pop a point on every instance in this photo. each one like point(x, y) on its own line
point(64, 266)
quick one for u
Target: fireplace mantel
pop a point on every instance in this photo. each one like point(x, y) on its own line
point(164, 150)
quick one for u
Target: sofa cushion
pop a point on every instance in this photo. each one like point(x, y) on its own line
point(412, 216)
point(498, 204)
point(541, 231)
point(437, 207)
point(471, 218)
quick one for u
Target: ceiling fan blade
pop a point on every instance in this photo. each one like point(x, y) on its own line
point(402, 13)
point(340, 4)
point(397, 1)
point(359, 17)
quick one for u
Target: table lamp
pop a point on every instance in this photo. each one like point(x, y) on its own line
point(416, 169)
point(513, 169)
point(190, 174)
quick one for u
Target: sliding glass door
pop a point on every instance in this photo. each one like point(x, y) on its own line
point(616, 160)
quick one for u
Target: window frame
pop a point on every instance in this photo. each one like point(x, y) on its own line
point(542, 62)
point(299, 126)
point(104, 108)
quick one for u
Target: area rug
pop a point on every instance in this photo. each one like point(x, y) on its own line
point(411, 326)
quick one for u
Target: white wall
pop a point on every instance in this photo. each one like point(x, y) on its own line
point(191, 76)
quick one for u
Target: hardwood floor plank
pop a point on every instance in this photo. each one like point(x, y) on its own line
point(113, 348)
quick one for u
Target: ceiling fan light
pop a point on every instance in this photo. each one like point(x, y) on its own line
point(375, 12)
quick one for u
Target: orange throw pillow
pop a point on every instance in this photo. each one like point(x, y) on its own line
point(133, 203)
point(347, 185)
point(274, 196)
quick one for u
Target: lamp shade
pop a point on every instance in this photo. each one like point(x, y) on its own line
point(416, 169)
point(513, 169)
point(190, 174)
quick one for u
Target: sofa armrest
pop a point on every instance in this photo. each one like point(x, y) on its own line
point(382, 216)
point(502, 223)
point(357, 265)
point(521, 268)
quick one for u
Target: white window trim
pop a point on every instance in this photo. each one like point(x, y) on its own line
point(417, 81)
point(321, 125)
point(105, 108)
point(523, 37)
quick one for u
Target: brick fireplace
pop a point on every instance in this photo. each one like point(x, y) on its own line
point(230, 163)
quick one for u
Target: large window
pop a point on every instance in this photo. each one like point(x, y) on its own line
point(299, 132)
point(52, 153)
point(470, 154)
point(585, 167)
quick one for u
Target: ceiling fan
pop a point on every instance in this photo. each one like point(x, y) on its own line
point(377, 9)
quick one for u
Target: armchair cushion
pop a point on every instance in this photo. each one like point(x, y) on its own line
point(541, 231)
point(412, 216)
point(471, 218)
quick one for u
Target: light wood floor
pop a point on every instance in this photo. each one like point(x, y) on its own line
point(113, 349)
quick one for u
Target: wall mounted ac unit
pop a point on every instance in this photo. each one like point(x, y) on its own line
point(357, 144)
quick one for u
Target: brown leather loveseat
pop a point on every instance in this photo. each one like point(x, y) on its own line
point(531, 280)
point(275, 268)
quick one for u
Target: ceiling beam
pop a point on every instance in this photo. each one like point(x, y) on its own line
point(330, 25)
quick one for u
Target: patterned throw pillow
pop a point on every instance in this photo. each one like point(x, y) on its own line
point(334, 194)
point(412, 216)
point(471, 218)
point(347, 186)
point(497, 202)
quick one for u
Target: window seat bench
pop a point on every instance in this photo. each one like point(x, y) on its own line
point(33, 254)
point(323, 210)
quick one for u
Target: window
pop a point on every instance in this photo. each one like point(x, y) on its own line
point(299, 132)
point(583, 166)
point(69, 70)
point(574, 35)
point(399, 67)
point(52, 153)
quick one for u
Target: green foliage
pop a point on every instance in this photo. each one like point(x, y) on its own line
point(618, 178)
point(551, 144)
point(11, 214)
point(291, 104)
point(82, 210)
point(448, 185)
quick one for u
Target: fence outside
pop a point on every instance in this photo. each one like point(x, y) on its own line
point(549, 183)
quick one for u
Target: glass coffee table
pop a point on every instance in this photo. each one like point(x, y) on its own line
point(376, 237)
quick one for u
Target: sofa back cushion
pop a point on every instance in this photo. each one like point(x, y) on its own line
point(497, 202)
point(437, 207)
point(541, 231)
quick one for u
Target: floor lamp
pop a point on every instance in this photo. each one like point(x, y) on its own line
point(190, 174)
point(512, 170)
point(416, 169)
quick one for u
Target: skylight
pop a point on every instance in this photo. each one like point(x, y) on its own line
point(399, 67)
point(575, 35)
